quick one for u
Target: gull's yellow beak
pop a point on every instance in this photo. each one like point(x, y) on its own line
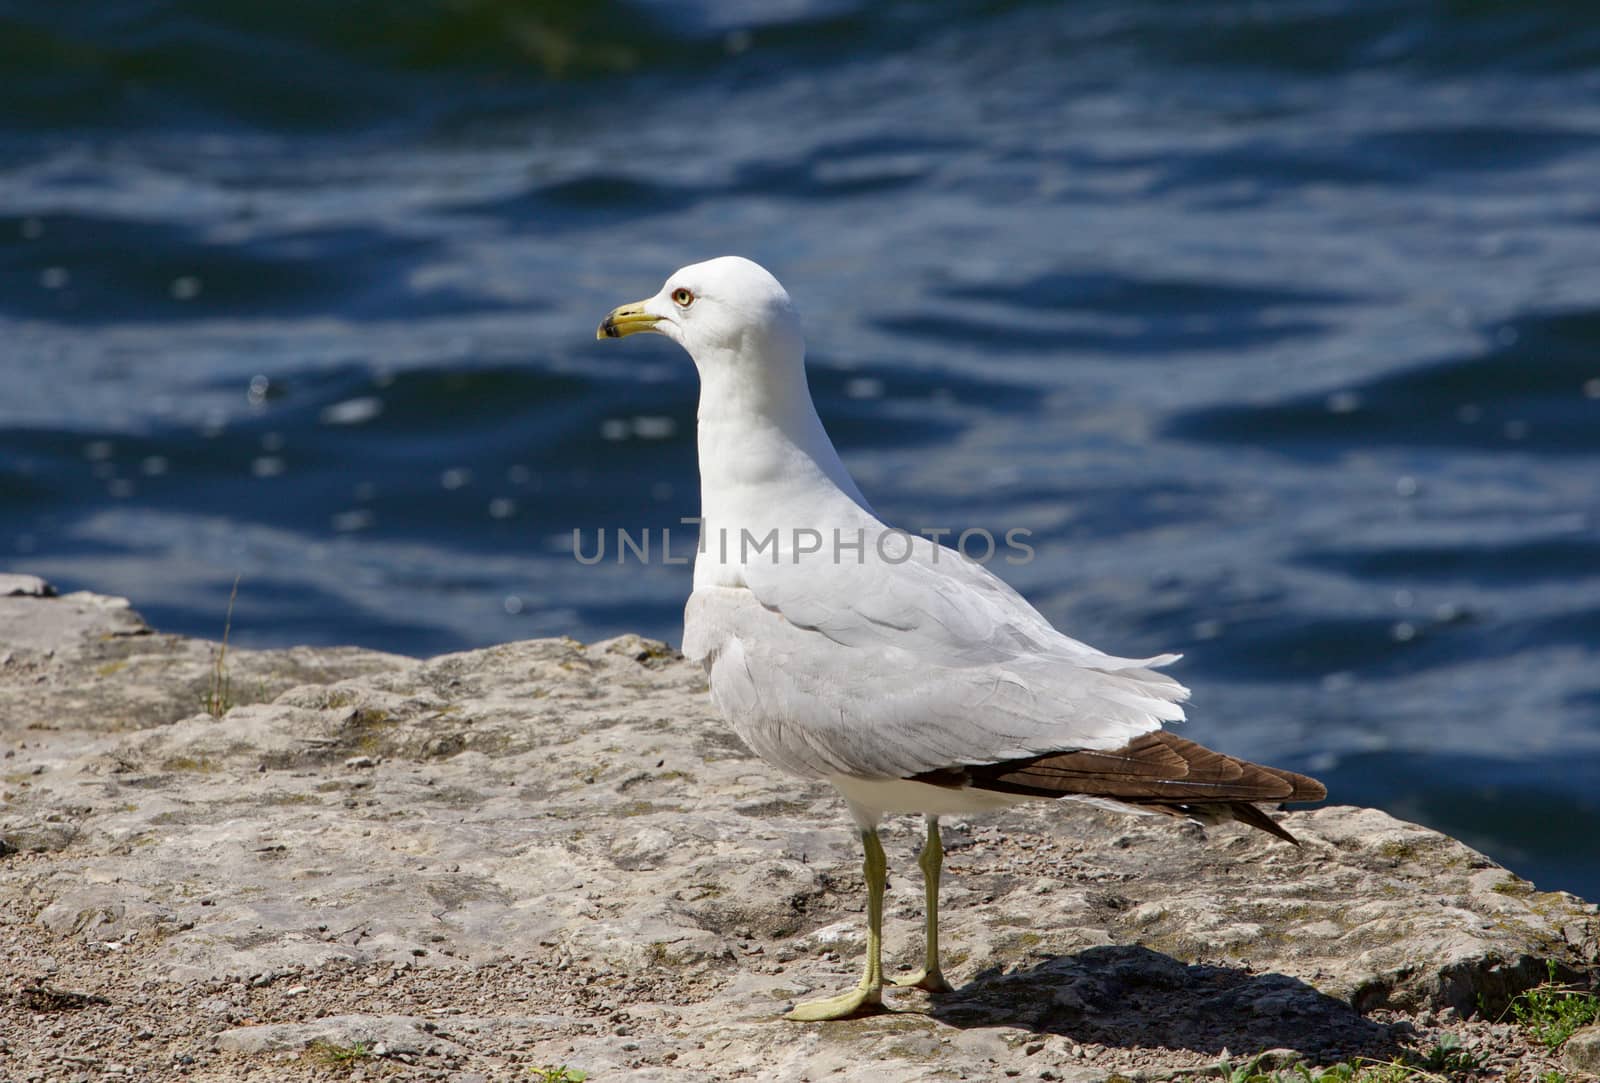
point(627, 320)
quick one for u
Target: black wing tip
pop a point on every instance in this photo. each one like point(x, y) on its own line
point(1256, 817)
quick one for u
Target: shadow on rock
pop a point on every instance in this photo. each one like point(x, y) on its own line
point(1133, 997)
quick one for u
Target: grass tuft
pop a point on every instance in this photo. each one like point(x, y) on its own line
point(332, 1055)
point(219, 701)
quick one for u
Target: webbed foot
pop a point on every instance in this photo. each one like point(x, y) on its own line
point(858, 1001)
point(931, 980)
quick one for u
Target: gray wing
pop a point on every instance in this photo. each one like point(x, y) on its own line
point(885, 670)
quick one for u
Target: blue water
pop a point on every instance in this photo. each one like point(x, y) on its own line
point(1277, 324)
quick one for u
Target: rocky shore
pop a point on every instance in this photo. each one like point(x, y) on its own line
point(491, 864)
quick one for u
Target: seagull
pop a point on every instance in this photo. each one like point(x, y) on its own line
point(907, 675)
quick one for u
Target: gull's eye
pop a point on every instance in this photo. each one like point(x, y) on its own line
point(682, 298)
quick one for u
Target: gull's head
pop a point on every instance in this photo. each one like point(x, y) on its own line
point(727, 310)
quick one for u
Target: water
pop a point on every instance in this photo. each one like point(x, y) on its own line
point(1277, 325)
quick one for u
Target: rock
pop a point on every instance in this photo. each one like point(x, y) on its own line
point(25, 586)
point(87, 663)
point(34, 621)
point(1582, 1051)
point(25, 834)
point(393, 1034)
point(568, 834)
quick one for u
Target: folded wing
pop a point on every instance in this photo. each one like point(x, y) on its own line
point(888, 670)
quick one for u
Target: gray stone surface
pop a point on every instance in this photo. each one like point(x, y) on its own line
point(1582, 1051)
point(24, 586)
point(380, 1035)
point(571, 825)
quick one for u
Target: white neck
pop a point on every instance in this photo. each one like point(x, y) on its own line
point(765, 462)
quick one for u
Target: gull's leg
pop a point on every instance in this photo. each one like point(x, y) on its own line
point(930, 977)
point(868, 996)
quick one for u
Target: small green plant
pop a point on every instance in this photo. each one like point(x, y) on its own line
point(562, 1074)
point(1392, 1071)
point(332, 1055)
point(219, 701)
point(1446, 1061)
point(1451, 1058)
point(1552, 1012)
point(1248, 1072)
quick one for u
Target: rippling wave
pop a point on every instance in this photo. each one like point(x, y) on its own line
point(1534, 390)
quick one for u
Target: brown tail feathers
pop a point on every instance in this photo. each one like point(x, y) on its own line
point(1157, 771)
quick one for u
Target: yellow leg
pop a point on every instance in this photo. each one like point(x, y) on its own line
point(930, 977)
point(867, 996)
